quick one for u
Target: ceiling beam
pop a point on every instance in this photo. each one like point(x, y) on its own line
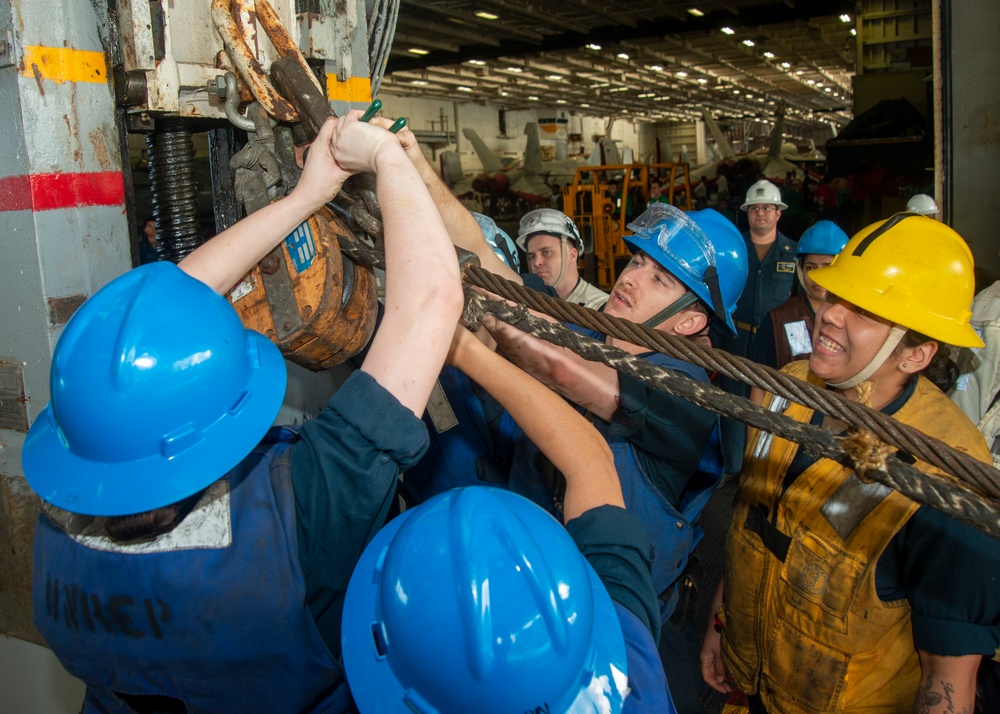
point(465, 17)
point(609, 34)
point(536, 15)
point(454, 30)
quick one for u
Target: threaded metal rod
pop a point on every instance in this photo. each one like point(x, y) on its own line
point(173, 189)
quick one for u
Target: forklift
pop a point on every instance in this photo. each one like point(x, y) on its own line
point(602, 211)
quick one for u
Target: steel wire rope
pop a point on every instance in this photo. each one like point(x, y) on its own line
point(972, 497)
point(912, 441)
point(948, 496)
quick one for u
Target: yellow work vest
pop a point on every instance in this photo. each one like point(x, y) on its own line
point(804, 626)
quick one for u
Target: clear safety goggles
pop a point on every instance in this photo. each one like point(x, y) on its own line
point(678, 236)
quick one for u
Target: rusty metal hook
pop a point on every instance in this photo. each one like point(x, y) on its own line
point(245, 60)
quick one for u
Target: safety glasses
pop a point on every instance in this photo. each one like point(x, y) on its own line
point(678, 237)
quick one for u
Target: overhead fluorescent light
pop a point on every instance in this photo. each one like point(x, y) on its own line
point(533, 98)
point(487, 15)
point(478, 63)
point(654, 68)
point(786, 65)
point(594, 47)
point(749, 43)
point(810, 81)
point(622, 55)
point(554, 77)
point(854, 33)
point(465, 89)
point(503, 93)
point(560, 101)
point(845, 18)
point(682, 74)
point(515, 69)
point(585, 106)
point(696, 12)
point(728, 31)
point(702, 81)
point(419, 82)
point(736, 91)
point(827, 89)
point(769, 55)
point(418, 51)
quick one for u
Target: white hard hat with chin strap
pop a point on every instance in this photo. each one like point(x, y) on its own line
point(564, 253)
point(549, 221)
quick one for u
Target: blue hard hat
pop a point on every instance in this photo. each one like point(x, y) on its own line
point(702, 249)
point(501, 243)
point(822, 238)
point(157, 390)
point(478, 600)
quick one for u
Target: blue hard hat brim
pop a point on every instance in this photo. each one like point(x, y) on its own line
point(95, 488)
point(372, 682)
point(650, 247)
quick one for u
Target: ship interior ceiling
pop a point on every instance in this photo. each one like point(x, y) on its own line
point(647, 60)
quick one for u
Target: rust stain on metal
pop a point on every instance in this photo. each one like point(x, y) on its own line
point(275, 30)
point(73, 126)
point(13, 402)
point(71, 134)
point(249, 68)
point(61, 309)
point(38, 78)
point(100, 148)
point(18, 511)
point(282, 41)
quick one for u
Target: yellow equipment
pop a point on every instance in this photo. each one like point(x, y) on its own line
point(603, 218)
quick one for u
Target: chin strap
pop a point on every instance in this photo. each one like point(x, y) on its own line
point(711, 280)
point(798, 273)
point(893, 338)
point(562, 263)
point(670, 310)
point(689, 298)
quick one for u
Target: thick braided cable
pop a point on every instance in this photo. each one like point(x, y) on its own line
point(941, 493)
point(964, 501)
point(979, 476)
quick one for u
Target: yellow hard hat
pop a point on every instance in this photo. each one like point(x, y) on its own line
point(912, 270)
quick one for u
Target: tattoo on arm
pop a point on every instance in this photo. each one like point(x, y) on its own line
point(936, 700)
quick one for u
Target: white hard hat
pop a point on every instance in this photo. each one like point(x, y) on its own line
point(923, 204)
point(764, 192)
point(551, 222)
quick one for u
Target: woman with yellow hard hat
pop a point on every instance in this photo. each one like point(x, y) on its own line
point(842, 594)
